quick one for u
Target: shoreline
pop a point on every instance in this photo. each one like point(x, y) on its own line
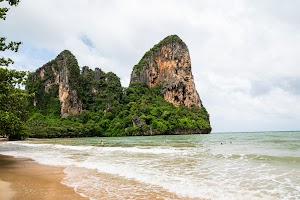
point(23, 178)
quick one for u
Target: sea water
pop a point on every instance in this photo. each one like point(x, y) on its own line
point(262, 165)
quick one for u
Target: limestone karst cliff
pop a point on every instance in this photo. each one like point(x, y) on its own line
point(59, 76)
point(99, 89)
point(168, 63)
point(61, 88)
point(161, 98)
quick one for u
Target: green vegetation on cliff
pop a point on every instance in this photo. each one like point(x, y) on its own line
point(107, 108)
point(100, 90)
point(60, 100)
point(141, 111)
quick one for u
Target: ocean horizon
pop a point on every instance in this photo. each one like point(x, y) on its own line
point(228, 165)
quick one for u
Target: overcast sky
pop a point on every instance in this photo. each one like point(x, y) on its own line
point(245, 54)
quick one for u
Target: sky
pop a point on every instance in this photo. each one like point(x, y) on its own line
point(244, 53)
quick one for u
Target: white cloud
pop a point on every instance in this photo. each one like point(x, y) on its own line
point(241, 50)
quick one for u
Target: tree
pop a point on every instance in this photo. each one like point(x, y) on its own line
point(13, 99)
point(13, 46)
point(13, 104)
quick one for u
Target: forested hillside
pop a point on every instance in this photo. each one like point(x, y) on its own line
point(69, 101)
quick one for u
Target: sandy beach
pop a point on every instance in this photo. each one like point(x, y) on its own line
point(22, 178)
point(185, 167)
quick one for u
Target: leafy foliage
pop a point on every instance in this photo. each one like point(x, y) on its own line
point(3, 11)
point(13, 99)
point(13, 104)
point(101, 91)
point(13, 46)
point(110, 110)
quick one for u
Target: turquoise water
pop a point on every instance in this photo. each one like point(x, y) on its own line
point(262, 165)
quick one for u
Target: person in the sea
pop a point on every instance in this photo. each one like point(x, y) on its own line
point(102, 143)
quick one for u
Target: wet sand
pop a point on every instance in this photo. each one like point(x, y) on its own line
point(22, 178)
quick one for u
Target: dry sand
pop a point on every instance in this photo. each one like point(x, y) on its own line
point(6, 193)
point(22, 178)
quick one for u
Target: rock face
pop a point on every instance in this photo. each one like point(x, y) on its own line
point(100, 89)
point(60, 74)
point(168, 63)
point(61, 89)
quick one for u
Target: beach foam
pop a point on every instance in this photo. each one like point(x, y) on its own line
point(190, 169)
